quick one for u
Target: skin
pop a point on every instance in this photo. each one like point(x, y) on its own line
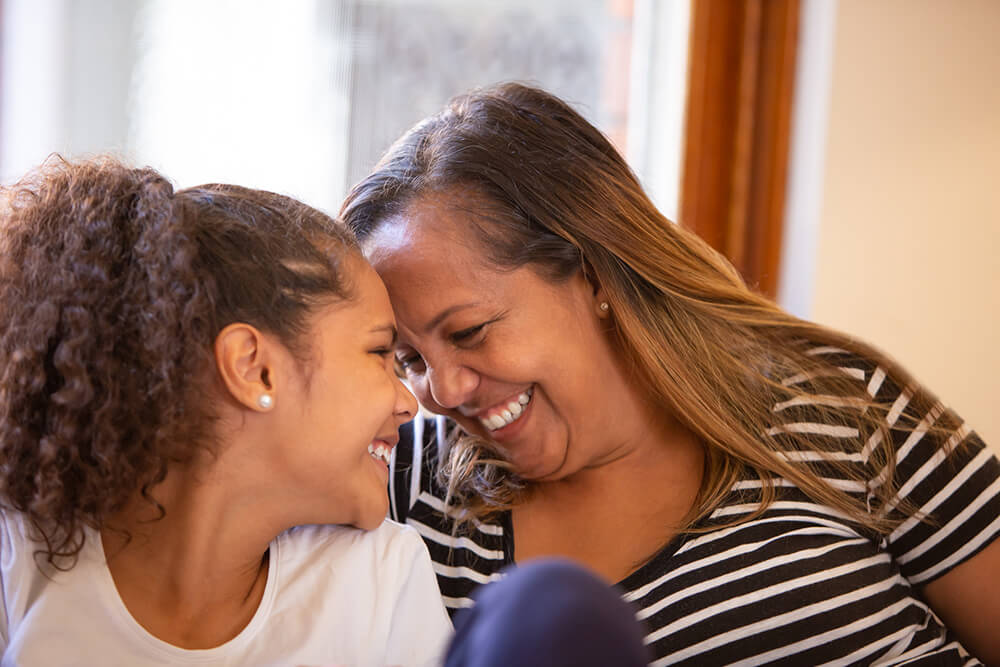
point(196, 577)
point(474, 337)
point(967, 600)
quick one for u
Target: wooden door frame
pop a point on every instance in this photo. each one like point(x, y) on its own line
point(738, 119)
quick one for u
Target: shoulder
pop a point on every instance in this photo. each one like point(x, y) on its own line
point(396, 542)
point(13, 527)
point(343, 559)
point(873, 414)
point(826, 417)
point(31, 588)
point(389, 540)
point(912, 461)
point(865, 426)
point(319, 568)
point(17, 548)
point(849, 402)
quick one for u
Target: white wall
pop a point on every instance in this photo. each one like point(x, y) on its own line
point(66, 70)
point(32, 53)
point(910, 221)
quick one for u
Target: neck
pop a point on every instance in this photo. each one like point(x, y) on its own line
point(657, 470)
point(617, 514)
point(194, 577)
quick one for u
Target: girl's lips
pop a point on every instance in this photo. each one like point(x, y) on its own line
point(382, 465)
point(380, 450)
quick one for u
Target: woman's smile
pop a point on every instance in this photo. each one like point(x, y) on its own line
point(499, 350)
point(500, 419)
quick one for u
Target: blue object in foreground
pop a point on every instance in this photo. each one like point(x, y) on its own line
point(551, 613)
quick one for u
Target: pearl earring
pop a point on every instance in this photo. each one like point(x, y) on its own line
point(266, 401)
point(604, 306)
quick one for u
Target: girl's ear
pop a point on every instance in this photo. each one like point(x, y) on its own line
point(246, 361)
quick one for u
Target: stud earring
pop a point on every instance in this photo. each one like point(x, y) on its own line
point(265, 401)
point(604, 306)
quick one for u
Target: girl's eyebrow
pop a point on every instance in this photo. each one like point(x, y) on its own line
point(391, 329)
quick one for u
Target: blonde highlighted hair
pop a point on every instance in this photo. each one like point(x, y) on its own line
point(550, 192)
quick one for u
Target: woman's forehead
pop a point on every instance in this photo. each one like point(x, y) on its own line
point(424, 265)
point(430, 230)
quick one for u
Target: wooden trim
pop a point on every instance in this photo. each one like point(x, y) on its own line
point(740, 87)
point(3, 86)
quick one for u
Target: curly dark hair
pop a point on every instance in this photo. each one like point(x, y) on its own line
point(113, 288)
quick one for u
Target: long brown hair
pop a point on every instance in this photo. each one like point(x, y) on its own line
point(113, 288)
point(551, 193)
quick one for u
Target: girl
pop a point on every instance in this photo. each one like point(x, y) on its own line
point(195, 387)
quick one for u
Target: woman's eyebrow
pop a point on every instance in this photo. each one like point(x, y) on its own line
point(440, 317)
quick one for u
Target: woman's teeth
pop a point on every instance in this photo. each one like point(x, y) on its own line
point(379, 453)
point(510, 414)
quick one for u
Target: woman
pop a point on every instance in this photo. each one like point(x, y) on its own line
point(195, 386)
point(760, 488)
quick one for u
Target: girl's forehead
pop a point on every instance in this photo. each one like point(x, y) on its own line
point(369, 304)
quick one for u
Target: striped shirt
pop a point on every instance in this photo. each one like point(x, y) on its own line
point(800, 584)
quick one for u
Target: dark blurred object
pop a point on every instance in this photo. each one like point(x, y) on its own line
point(548, 613)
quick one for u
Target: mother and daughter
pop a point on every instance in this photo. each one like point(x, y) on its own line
point(199, 409)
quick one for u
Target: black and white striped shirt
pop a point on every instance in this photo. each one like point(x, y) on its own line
point(800, 584)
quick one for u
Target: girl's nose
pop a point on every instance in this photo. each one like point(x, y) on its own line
point(406, 404)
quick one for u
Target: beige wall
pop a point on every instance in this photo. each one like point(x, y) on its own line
point(910, 226)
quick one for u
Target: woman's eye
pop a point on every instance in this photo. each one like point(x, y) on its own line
point(466, 335)
point(408, 362)
point(383, 352)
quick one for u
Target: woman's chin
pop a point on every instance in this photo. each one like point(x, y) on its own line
point(538, 469)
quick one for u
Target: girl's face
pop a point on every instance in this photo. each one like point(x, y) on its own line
point(512, 357)
point(344, 402)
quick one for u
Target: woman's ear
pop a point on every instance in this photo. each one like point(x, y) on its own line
point(601, 304)
point(246, 361)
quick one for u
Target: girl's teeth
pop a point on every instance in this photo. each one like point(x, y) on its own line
point(379, 453)
point(524, 398)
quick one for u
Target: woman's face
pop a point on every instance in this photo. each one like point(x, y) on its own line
point(510, 356)
point(344, 403)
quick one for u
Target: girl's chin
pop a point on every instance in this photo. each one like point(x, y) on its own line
point(370, 523)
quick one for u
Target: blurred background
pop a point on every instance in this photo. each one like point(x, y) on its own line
point(844, 154)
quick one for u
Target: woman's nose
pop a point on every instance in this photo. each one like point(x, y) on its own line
point(450, 385)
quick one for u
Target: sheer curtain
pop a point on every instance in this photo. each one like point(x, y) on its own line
point(302, 97)
point(253, 92)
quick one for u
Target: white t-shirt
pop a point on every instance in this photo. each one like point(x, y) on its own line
point(334, 596)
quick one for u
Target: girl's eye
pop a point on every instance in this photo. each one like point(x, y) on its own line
point(383, 352)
